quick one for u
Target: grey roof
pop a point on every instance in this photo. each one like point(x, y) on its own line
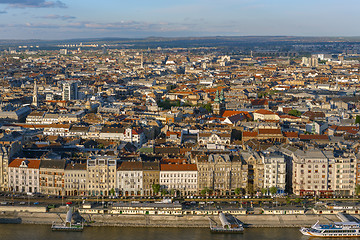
point(56, 164)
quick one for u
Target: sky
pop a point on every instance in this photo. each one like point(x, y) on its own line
point(67, 19)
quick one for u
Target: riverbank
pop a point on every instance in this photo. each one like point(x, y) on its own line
point(186, 221)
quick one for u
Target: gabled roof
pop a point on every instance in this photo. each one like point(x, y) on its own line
point(30, 163)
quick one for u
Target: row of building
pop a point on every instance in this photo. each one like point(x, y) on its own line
point(290, 170)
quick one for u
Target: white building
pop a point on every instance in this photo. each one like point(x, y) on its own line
point(180, 178)
point(70, 90)
point(24, 176)
point(274, 171)
point(134, 136)
point(130, 179)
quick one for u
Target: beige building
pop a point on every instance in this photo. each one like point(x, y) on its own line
point(52, 177)
point(265, 115)
point(151, 176)
point(75, 179)
point(7, 151)
point(322, 173)
point(101, 175)
point(222, 173)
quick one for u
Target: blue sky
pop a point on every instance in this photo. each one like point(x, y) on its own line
point(63, 19)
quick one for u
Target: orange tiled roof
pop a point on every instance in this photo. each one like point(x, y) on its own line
point(264, 111)
point(249, 134)
point(30, 163)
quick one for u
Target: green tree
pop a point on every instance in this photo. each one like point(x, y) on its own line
point(273, 190)
point(208, 107)
point(297, 200)
point(238, 191)
point(156, 188)
point(357, 119)
point(264, 191)
point(172, 191)
point(204, 191)
point(357, 189)
point(112, 192)
point(295, 113)
point(163, 192)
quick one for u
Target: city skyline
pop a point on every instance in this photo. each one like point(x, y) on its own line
point(46, 19)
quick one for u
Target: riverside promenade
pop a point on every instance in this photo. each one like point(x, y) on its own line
point(186, 221)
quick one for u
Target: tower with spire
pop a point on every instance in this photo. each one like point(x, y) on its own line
point(219, 103)
point(35, 95)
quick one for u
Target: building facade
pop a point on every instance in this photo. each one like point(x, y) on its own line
point(101, 175)
point(179, 178)
point(24, 176)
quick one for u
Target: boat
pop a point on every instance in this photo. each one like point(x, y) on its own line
point(226, 226)
point(68, 225)
point(345, 228)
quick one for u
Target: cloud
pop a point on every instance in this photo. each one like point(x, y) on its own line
point(2, 11)
point(55, 16)
point(33, 3)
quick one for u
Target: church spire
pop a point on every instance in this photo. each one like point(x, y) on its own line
point(222, 98)
point(35, 95)
point(217, 96)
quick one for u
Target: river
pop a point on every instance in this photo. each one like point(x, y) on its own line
point(43, 232)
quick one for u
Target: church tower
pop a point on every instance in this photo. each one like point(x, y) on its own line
point(219, 103)
point(35, 95)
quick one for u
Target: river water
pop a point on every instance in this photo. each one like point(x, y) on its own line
point(43, 232)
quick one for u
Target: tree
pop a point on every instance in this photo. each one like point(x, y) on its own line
point(208, 107)
point(273, 190)
point(357, 119)
point(238, 191)
point(357, 189)
point(112, 192)
point(264, 191)
point(156, 188)
point(163, 192)
point(204, 191)
point(295, 113)
point(172, 191)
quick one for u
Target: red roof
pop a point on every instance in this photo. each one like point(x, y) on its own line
point(178, 167)
point(249, 134)
point(168, 134)
point(229, 113)
point(30, 163)
point(291, 134)
point(264, 111)
point(267, 131)
point(258, 102)
point(314, 137)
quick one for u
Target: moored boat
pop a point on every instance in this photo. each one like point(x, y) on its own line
point(336, 229)
point(226, 226)
point(68, 225)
